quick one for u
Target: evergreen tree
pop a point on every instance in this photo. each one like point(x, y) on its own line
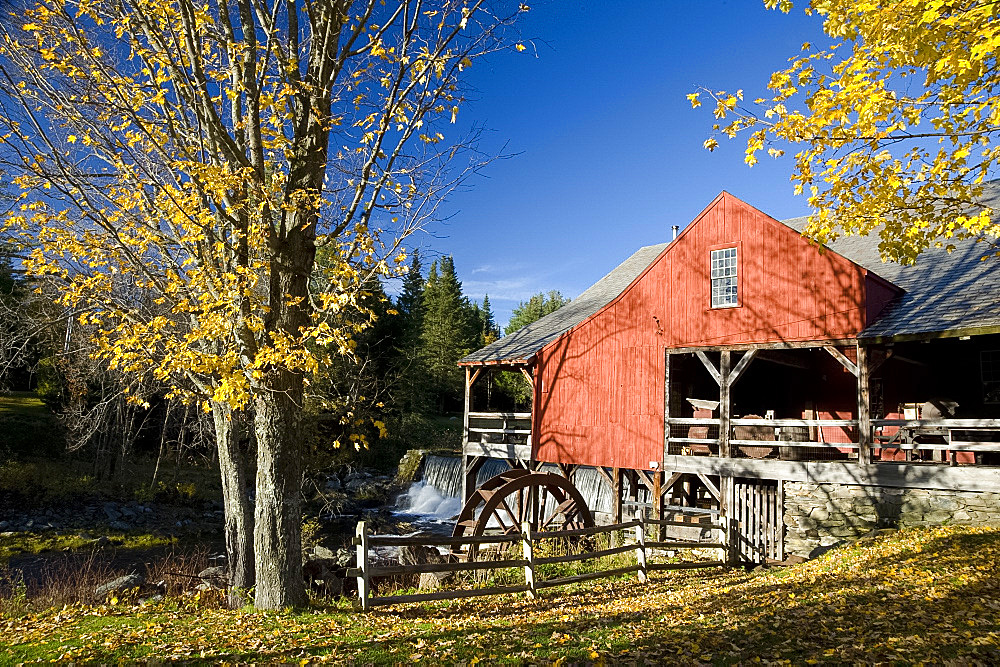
point(490, 330)
point(513, 384)
point(446, 335)
point(412, 394)
point(533, 309)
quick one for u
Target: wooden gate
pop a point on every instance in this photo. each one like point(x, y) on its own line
point(759, 514)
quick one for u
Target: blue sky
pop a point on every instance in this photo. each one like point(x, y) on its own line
point(609, 151)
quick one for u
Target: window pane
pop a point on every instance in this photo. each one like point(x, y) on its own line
point(724, 279)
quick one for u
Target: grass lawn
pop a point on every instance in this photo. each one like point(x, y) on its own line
point(915, 596)
point(23, 403)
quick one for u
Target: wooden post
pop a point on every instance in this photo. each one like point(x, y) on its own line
point(658, 502)
point(666, 404)
point(469, 379)
point(640, 551)
point(864, 403)
point(616, 498)
point(529, 557)
point(725, 451)
point(471, 467)
point(727, 515)
point(364, 590)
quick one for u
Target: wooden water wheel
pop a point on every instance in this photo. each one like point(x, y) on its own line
point(506, 501)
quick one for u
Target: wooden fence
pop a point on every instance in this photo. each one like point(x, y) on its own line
point(529, 540)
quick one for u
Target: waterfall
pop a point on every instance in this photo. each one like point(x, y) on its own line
point(437, 494)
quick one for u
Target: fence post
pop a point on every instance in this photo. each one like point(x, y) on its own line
point(361, 540)
point(529, 557)
point(640, 550)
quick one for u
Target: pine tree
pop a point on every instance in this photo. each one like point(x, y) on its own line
point(446, 335)
point(412, 395)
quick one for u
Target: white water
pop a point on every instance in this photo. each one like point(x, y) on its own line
point(427, 501)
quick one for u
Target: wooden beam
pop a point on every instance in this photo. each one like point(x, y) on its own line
point(741, 366)
point(529, 378)
point(716, 493)
point(724, 407)
point(900, 475)
point(782, 345)
point(666, 402)
point(844, 361)
point(874, 365)
point(645, 479)
point(781, 360)
point(468, 407)
point(605, 474)
point(864, 403)
point(616, 498)
point(670, 482)
point(709, 366)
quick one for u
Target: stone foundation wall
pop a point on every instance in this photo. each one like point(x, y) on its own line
point(822, 515)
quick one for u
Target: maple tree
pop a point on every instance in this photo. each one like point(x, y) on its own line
point(894, 125)
point(180, 163)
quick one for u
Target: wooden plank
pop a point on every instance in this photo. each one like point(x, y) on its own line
point(712, 489)
point(842, 358)
point(678, 509)
point(468, 406)
point(709, 366)
point(796, 443)
point(725, 430)
point(586, 555)
point(793, 422)
point(389, 570)
point(661, 567)
point(506, 431)
point(667, 389)
point(446, 595)
point(498, 450)
point(683, 544)
point(580, 532)
point(438, 540)
point(901, 474)
point(500, 415)
point(685, 524)
point(616, 498)
point(589, 576)
point(777, 345)
point(955, 424)
point(864, 405)
point(741, 366)
point(644, 478)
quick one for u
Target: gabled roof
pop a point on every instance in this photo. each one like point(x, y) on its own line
point(521, 346)
point(946, 294)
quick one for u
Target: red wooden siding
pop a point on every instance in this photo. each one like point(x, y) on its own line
point(601, 395)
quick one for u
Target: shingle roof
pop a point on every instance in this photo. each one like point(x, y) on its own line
point(945, 293)
point(521, 345)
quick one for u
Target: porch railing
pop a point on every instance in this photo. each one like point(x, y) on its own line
point(918, 440)
point(498, 434)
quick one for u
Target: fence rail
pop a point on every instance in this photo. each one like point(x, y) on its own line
point(529, 540)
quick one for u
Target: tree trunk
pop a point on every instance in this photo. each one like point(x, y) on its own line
point(278, 511)
point(239, 512)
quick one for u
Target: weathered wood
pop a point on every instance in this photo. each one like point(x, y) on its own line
point(955, 424)
point(499, 450)
point(794, 443)
point(445, 595)
point(864, 406)
point(683, 544)
point(505, 431)
point(660, 567)
point(645, 479)
point(709, 366)
point(458, 566)
point(529, 559)
point(712, 489)
point(581, 532)
point(616, 498)
point(725, 429)
point(468, 407)
point(640, 551)
point(500, 415)
point(684, 524)
point(578, 578)
point(364, 588)
point(603, 472)
point(851, 367)
point(741, 366)
point(586, 555)
point(667, 389)
point(779, 345)
point(677, 509)
point(904, 475)
point(437, 540)
point(658, 500)
point(692, 421)
point(793, 422)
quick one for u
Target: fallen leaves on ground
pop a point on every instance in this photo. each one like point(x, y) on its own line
point(917, 595)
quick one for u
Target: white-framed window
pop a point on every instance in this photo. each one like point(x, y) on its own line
point(724, 278)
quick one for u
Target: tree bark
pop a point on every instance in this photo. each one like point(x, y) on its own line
point(278, 510)
point(239, 511)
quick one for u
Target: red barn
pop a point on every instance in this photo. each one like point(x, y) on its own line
point(741, 363)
